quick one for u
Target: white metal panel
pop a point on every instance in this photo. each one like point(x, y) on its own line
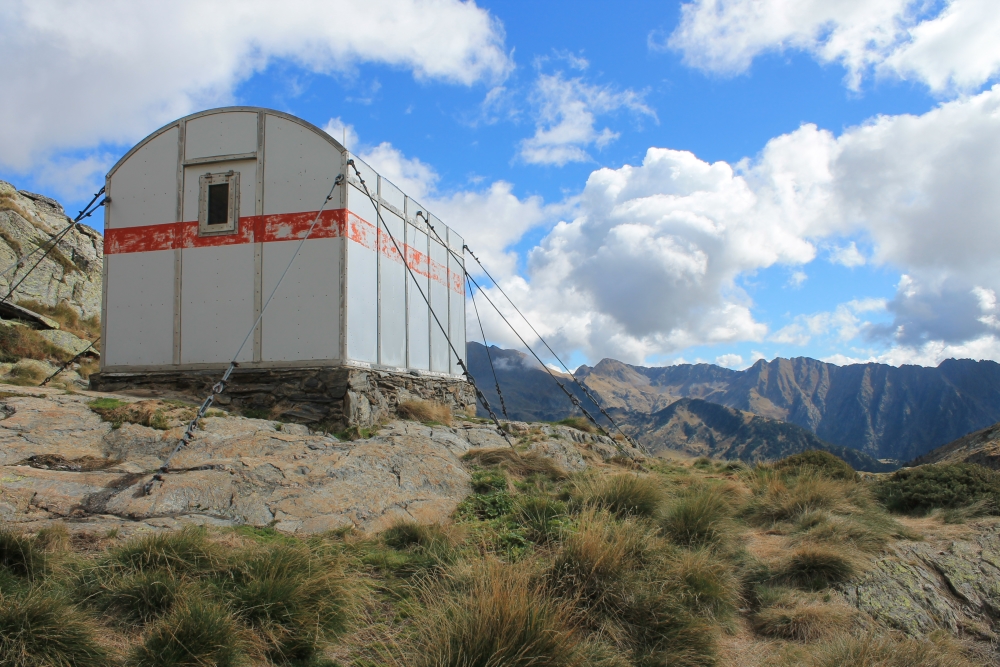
point(439, 304)
point(216, 303)
point(302, 321)
point(367, 174)
point(227, 133)
point(457, 299)
point(299, 168)
point(392, 195)
point(392, 293)
point(418, 320)
point(143, 189)
point(362, 279)
point(248, 185)
point(139, 309)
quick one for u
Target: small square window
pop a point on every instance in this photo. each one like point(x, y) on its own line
point(218, 203)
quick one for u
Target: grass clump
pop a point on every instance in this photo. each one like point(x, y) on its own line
point(785, 498)
point(20, 342)
point(291, 601)
point(68, 319)
point(802, 620)
point(428, 412)
point(154, 414)
point(196, 633)
point(40, 630)
point(815, 567)
point(888, 651)
point(623, 494)
point(23, 556)
point(542, 518)
point(942, 486)
point(579, 423)
point(520, 464)
point(700, 517)
point(498, 616)
point(818, 462)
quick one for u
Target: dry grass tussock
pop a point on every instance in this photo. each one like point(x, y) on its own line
point(623, 494)
point(608, 568)
point(496, 615)
point(519, 464)
point(19, 342)
point(425, 411)
point(162, 415)
point(68, 319)
point(795, 616)
point(940, 650)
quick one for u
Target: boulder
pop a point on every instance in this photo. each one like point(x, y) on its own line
point(67, 343)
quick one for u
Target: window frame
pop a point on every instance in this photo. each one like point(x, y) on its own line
point(231, 226)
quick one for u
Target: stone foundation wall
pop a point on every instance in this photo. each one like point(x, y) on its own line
point(337, 397)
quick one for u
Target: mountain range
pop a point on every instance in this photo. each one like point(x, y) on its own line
point(883, 411)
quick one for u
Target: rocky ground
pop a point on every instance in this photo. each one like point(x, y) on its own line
point(59, 461)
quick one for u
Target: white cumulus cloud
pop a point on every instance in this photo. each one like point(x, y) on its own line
point(566, 122)
point(953, 45)
point(80, 74)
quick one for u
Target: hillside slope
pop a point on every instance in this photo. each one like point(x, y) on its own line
point(982, 447)
point(697, 427)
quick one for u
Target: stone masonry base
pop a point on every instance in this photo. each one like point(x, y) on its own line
point(332, 396)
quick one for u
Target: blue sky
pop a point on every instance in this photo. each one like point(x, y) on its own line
point(714, 180)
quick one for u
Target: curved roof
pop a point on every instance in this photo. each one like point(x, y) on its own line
point(208, 112)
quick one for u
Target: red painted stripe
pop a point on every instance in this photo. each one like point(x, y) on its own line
point(334, 223)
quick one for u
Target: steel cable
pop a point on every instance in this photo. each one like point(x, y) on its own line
point(582, 386)
point(496, 382)
point(461, 363)
point(54, 242)
point(573, 399)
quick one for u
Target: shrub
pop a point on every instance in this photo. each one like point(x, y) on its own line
point(542, 518)
point(623, 494)
point(798, 618)
point(39, 630)
point(699, 517)
point(817, 462)
point(425, 411)
point(944, 486)
point(292, 601)
point(196, 633)
point(814, 567)
point(499, 618)
point(22, 556)
point(490, 498)
point(522, 464)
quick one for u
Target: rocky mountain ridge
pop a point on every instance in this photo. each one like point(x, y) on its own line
point(887, 412)
point(700, 428)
